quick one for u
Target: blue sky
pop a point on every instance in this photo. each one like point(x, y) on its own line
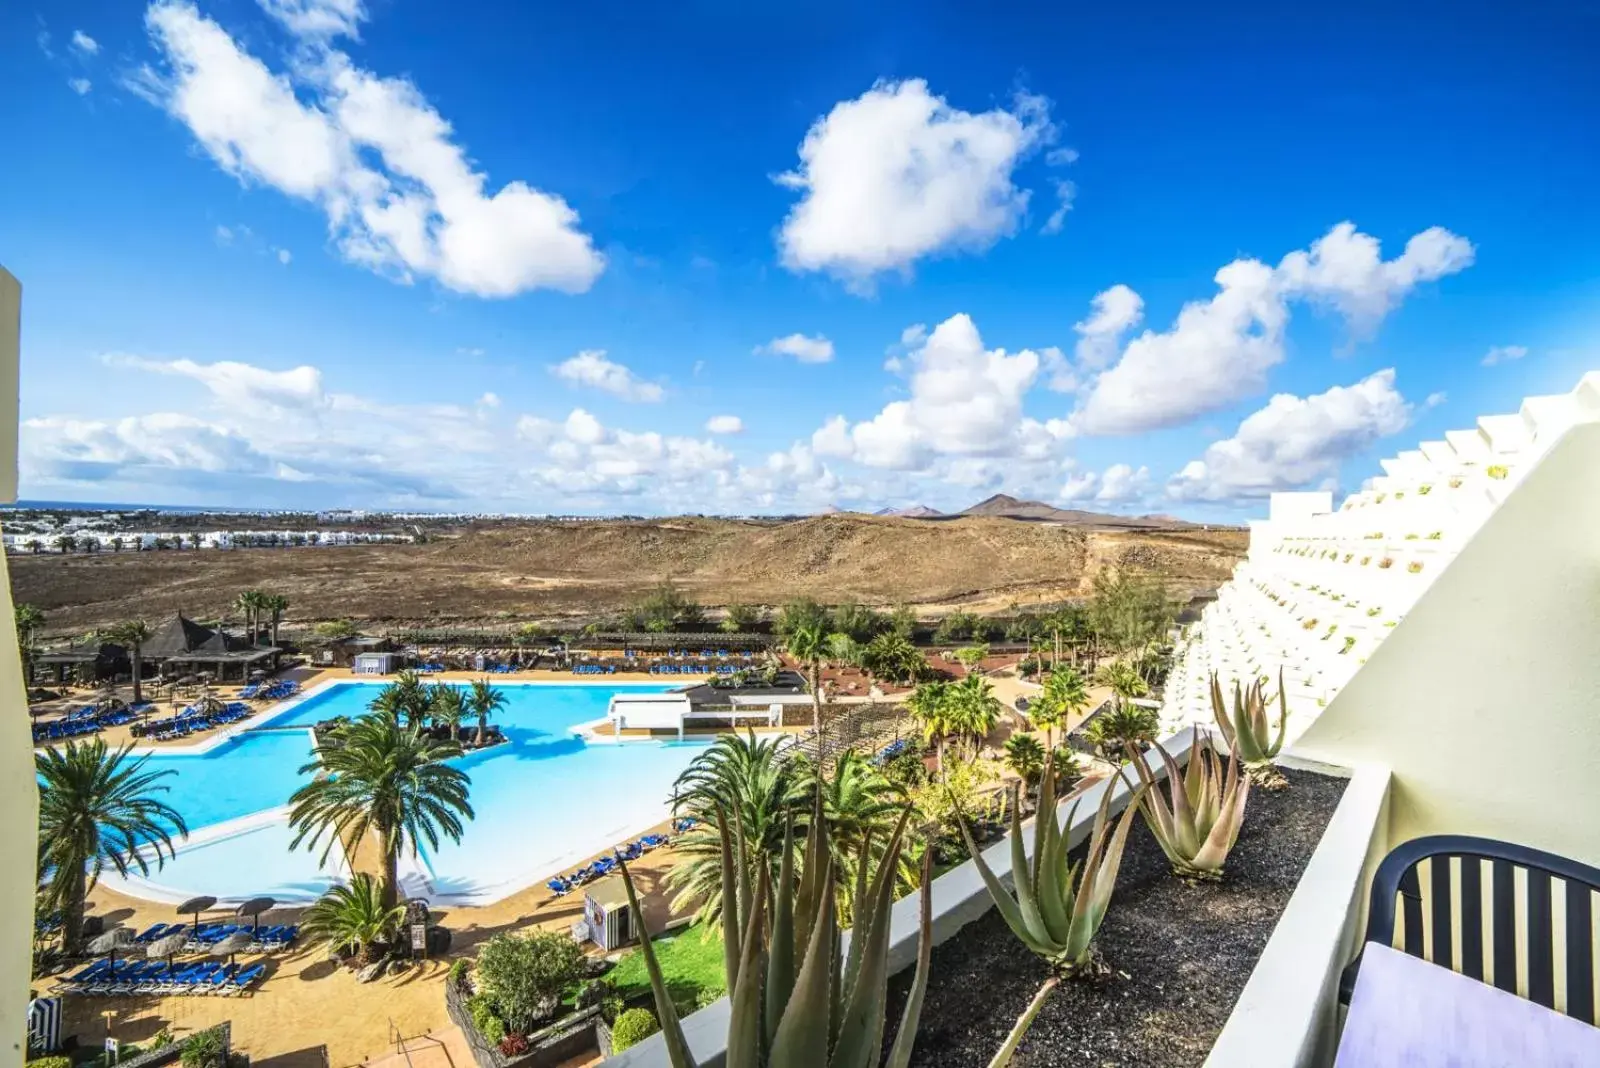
point(531, 257)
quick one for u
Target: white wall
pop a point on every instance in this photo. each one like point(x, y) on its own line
point(18, 798)
point(1485, 699)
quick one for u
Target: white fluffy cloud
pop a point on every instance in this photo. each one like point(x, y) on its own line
point(898, 174)
point(1112, 314)
point(244, 385)
point(1346, 268)
point(805, 349)
point(86, 449)
point(1220, 350)
point(1295, 442)
point(1119, 484)
point(965, 401)
point(1504, 354)
point(398, 192)
point(724, 424)
point(317, 18)
point(84, 45)
point(81, 86)
point(591, 368)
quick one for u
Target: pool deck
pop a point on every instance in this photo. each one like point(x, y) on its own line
point(307, 1010)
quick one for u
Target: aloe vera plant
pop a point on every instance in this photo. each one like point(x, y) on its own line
point(797, 1000)
point(1056, 907)
point(1198, 818)
point(1247, 731)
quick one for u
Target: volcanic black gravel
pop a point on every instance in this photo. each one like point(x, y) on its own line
point(1178, 955)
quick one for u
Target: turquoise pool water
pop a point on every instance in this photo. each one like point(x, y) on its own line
point(544, 801)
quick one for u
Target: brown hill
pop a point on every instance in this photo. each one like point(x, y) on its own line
point(1007, 507)
point(556, 570)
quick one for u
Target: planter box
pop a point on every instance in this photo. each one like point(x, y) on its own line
point(1285, 1013)
point(559, 1042)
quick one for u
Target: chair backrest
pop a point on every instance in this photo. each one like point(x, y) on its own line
point(1473, 905)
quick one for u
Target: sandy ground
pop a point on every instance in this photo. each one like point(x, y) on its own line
point(310, 1014)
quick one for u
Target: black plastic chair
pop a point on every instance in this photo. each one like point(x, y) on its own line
point(1398, 876)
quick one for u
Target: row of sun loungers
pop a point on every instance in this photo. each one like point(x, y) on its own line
point(692, 669)
point(890, 751)
point(162, 978)
point(270, 691)
point(192, 719)
point(268, 938)
point(605, 865)
point(85, 720)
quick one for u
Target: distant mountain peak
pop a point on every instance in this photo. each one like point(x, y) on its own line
point(915, 511)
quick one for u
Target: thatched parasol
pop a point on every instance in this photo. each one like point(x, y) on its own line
point(233, 945)
point(113, 940)
point(195, 906)
point(168, 946)
point(255, 907)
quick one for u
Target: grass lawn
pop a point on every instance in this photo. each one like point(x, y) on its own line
point(691, 964)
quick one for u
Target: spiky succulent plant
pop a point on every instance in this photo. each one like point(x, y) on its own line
point(1196, 819)
point(1056, 906)
point(1247, 732)
point(797, 1001)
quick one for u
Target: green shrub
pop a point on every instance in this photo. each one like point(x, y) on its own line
point(458, 970)
point(632, 1028)
point(481, 1008)
point(50, 1062)
point(203, 1050)
point(525, 975)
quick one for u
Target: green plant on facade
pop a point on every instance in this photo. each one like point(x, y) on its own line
point(1436, 535)
point(1196, 818)
point(796, 999)
point(1056, 907)
point(1497, 471)
point(1373, 611)
point(1414, 566)
point(1247, 731)
point(1349, 643)
point(1425, 489)
point(1386, 562)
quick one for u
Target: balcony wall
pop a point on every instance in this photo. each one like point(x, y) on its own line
point(19, 800)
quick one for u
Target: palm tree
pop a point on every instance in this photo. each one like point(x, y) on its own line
point(808, 644)
point(354, 916)
point(1124, 680)
point(929, 705)
point(484, 701)
point(975, 710)
point(1064, 698)
point(447, 705)
point(249, 604)
point(861, 807)
point(132, 634)
point(29, 619)
point(758, 787)
point(406, 699)
point(892, 657)
point(378, 778)
point(97, 808)
point(277, 604)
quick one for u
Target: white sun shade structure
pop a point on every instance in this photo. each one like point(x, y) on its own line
point(649, 711)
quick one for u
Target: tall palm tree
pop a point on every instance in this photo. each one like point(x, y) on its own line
point(375, 777)
point(354, 916)
point(758, 786)
point(406, 699)
point(277, 604)
point(133, 634)
point(97, 808)
point(1064, 698)
point(447, 705)
point(974, 709)
point(29, 619)
point(249, 605)
point(484, 701)
point(808, 644)
point(929, 705)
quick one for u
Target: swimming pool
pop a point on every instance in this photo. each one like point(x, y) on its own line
point(545, 801)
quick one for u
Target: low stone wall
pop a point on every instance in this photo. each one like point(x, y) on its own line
point(155, 1058)
point(561, 1041)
